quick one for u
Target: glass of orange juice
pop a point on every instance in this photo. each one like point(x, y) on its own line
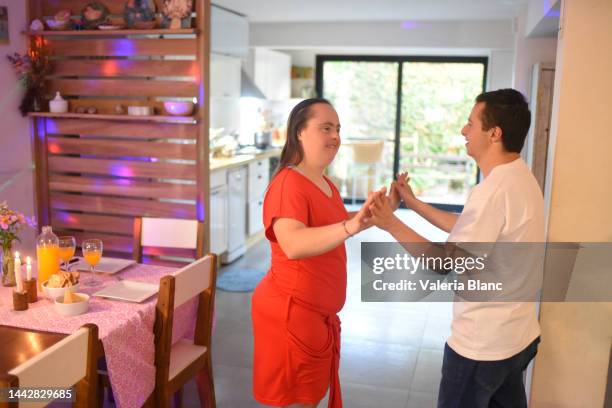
point(67, 246)
point(92, 252)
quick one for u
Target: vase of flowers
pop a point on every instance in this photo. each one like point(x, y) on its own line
point(11, 223)
point(32, 69)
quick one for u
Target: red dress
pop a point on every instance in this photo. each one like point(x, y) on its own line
point(294, 308)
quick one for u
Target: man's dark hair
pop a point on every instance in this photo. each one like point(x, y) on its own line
point(508, 110)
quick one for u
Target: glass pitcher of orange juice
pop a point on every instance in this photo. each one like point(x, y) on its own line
point(47, 253)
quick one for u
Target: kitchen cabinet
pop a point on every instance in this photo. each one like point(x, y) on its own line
point(225, 93)
point(218, 212)
point(224, 76)
point(271, 71)
point(229, 32)
point(259, 177)
point(237, 200)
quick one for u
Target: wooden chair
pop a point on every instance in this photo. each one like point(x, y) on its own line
point(176, 364)
point(71, 361)
point(168, 233)
point(366, 163)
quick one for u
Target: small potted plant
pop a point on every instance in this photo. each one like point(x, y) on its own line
point(11, 223)
point(32, 69)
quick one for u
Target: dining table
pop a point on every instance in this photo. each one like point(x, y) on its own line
point(125, 331)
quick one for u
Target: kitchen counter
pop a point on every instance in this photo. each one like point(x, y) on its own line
point(226, 163)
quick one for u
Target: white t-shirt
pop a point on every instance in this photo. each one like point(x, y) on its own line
point(507, 206)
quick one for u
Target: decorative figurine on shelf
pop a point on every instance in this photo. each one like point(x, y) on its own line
point(11, 223)
point(120, 110)
point(140, 14)
point(32, 69)
point(93, 15)
point(58, 104)
point(37, 25)
point(61, 21)
point(177, 14)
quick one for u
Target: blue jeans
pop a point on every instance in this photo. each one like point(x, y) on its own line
point(469, 383)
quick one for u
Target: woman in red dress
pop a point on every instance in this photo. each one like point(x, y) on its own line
point(295, 306)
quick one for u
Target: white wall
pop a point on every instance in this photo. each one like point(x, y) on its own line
point(421, 34)
point(500, 69)
point(539, 15)
point(494, 39)
point(528, 52)
point(572, 364)
point(15, 143)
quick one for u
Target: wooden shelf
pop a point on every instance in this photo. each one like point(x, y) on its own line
point(158, 31)
point(190, 120)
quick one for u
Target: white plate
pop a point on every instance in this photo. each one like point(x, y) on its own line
point(130, 291)
point(110, 27)
point(106, 265)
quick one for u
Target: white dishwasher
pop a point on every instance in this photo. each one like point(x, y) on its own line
point(237, 190)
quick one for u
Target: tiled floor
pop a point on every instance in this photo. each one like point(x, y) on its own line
point(391, 352)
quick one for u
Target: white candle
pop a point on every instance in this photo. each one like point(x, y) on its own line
point(28, 268)
point(18, 273)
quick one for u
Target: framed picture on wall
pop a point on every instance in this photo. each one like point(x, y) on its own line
point(4, 33)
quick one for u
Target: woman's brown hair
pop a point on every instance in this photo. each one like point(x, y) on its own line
point(293, 153)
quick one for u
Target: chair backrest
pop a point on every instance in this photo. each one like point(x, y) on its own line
point(73, 360)
point(196, 279)
point(192, 280)
point(168, 233)
point(367, 151)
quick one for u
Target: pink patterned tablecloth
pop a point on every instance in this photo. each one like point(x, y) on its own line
point(126, 329)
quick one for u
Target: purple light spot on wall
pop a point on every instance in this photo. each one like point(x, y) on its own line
point(123, 47)
point(200, 213)
point(51, 126)
point(121, 170)
point(66, 217)
point(410, 25)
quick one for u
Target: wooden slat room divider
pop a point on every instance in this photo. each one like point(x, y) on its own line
point(97, 172)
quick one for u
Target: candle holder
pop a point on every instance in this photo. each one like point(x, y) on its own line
point(20, 300)
point(31, 288)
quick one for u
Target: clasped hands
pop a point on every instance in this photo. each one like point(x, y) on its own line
point(379, 207)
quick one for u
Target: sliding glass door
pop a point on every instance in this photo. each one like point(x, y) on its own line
point(364, 94)
point(436, 100)
point(403, 114)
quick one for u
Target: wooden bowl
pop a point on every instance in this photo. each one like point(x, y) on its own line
point(59, 25)
point(145, 25)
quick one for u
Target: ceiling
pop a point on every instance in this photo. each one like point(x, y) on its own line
point(260, 11)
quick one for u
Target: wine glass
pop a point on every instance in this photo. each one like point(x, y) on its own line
point(67, 246)
point(92, 252)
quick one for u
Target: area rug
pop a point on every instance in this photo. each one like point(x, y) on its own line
point(239, 279)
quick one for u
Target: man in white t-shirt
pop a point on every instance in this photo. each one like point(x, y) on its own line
point(491, 343)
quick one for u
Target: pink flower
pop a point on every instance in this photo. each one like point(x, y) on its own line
point(4, 226)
